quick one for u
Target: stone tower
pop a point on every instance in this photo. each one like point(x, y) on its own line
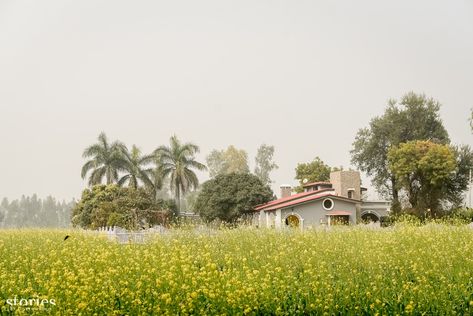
point(347, 183)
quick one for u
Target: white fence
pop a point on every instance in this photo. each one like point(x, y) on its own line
point(123, 236)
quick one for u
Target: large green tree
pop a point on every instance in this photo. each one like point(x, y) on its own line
point(227, 161)
point(228, 197)
point(313, 171)
point(106, 160)
point(177, 161)
point(422, 168)
point(414, 117)
point(264, 163)
point(111, 205)
point(137, 169)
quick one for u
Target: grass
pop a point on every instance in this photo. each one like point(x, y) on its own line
point(401, 270)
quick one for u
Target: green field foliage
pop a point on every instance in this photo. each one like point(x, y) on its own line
point(397, 270)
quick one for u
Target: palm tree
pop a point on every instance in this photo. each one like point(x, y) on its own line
point(135, 165)
point(106, 160)
point(177, 162)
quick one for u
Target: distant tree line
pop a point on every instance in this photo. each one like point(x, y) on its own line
point(31, 211)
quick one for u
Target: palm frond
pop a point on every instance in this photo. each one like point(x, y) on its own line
point(191, 178)
point(87, 167)
point(196, 165)
point(123, 180)
point(95, 150)
point(146, 159)
point(97, 176)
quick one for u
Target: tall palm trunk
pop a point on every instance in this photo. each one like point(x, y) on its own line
point(109, 176)
point(178, 199)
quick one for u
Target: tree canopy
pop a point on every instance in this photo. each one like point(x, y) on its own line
point(111, 205)
point(227, 161)
point(313, 171)
point(459, 180)
point(264, 163)
point(106, 160)
point(229, 197)
point(137, 168)
point(422, 168)
point(414, 117)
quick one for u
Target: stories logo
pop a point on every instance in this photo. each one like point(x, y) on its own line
point(30, 303)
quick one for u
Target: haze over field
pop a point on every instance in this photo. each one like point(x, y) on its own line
point(303, 76)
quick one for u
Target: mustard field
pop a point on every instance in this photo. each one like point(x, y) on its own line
point(402, 270)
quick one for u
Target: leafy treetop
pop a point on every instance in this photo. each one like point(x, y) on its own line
point(422, 168)
point(313, 171)
point(227, 161)
point(229, 197)
point(111, 205)
point(264, 163)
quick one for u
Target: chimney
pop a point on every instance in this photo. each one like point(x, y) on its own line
point(286, 190)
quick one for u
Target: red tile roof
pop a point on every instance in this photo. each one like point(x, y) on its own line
point(299, 201)
point(271, 206)
point(290, 198)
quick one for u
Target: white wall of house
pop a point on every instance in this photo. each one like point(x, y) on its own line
point(313, 212)
point(378, 208)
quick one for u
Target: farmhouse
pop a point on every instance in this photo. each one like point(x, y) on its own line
point(339, 201)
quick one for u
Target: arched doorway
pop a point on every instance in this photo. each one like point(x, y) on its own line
point(293, 221)
point(369, 217)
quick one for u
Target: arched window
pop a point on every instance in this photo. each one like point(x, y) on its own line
point(292, 221)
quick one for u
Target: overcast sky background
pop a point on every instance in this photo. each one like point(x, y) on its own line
point(303, 76)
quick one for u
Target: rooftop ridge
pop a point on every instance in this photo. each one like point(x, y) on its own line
point(290, 198)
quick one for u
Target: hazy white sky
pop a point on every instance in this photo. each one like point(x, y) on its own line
point(303, 76)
